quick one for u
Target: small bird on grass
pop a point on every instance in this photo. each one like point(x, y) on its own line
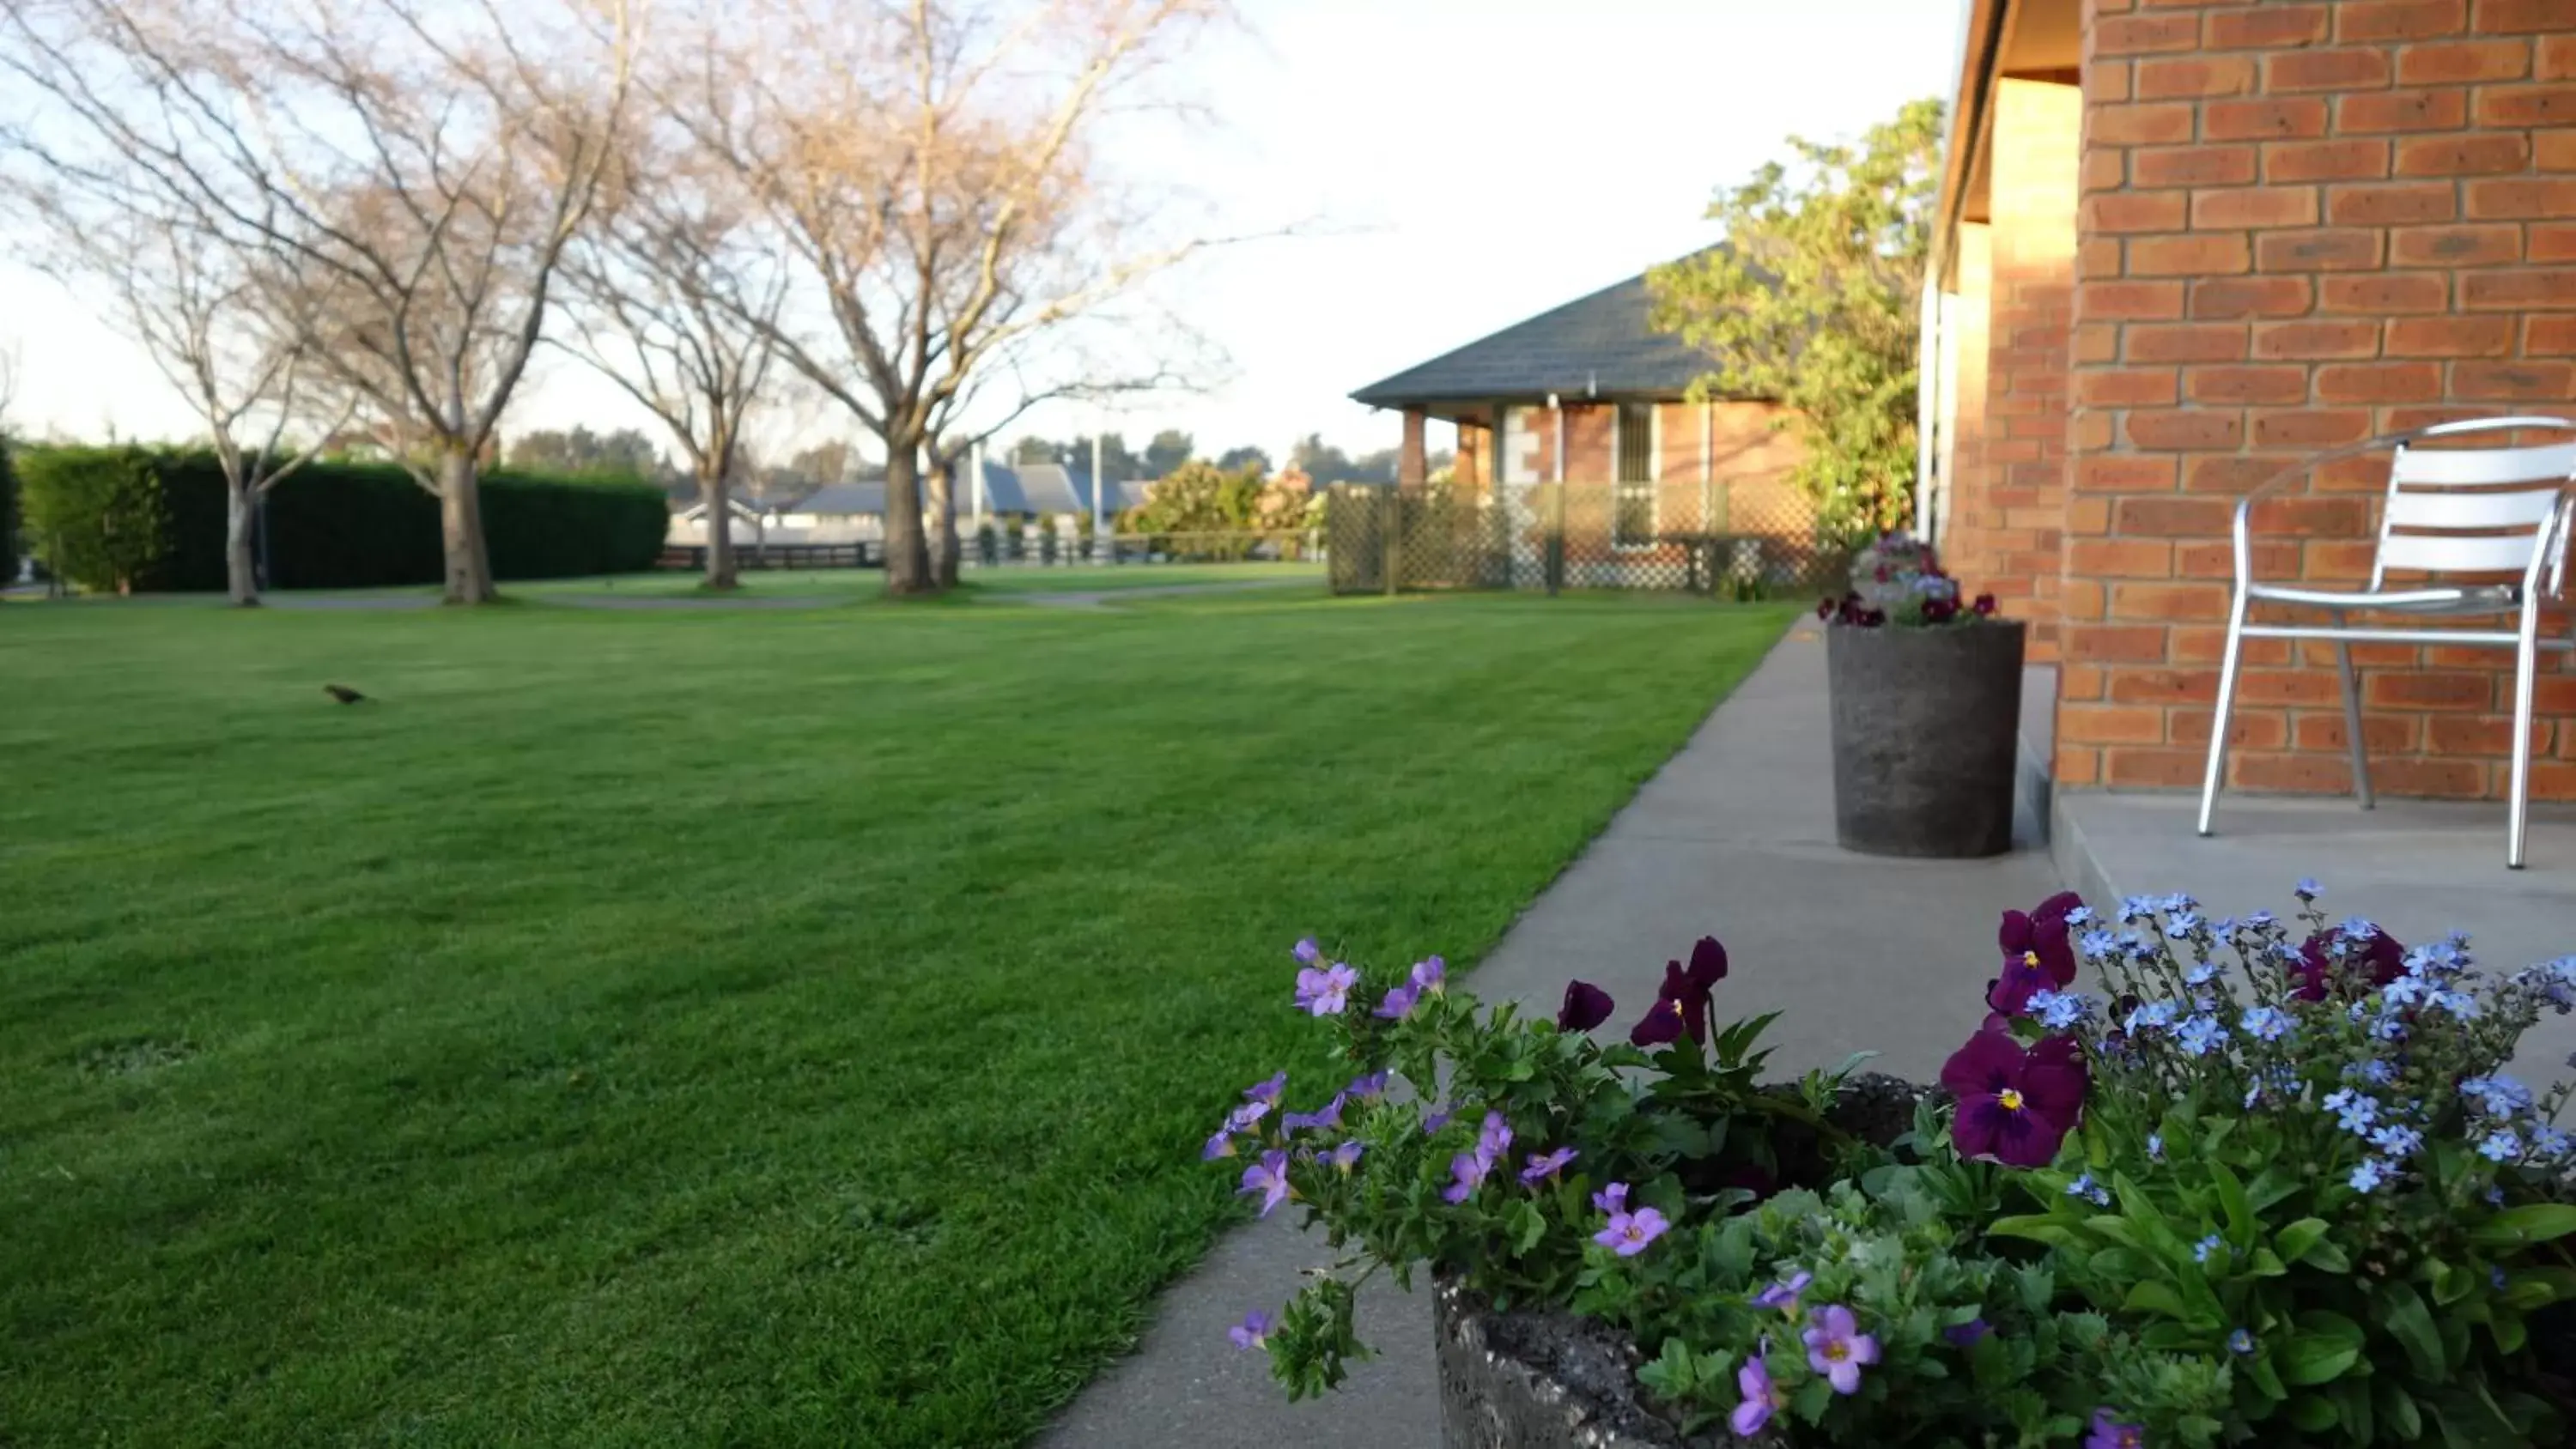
point(342, 693)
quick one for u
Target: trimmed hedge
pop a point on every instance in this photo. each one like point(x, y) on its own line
point(340, 525)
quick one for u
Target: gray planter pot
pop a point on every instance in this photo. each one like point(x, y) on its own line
point(1924, 724)
point(1527, 1380)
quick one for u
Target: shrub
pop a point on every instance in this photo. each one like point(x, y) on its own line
point(2273, 1189)
point(330, 524)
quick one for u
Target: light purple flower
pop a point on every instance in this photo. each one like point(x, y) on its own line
point(2109, 1433)
point(1252, 1332)
point(1371, 1085)
point(1547, 1166)
point(1784, 1295)
point(1326, 992)
point(1629, 1233)
point(1306, 951)
point(1267, 1091)
point(1268, 1177)
point(1437, 1120)
point(1612, 1199)
point(1221, 1145)
point(1965, 1335)
point(1468, 1169)
point(1837, 1348)
point(1346, 1156)
point(1429, 973)
point(1329, 1115)
point(1397, 1004)
point(1762, 1398)
point(1493, 1139)
point(1246, 1117)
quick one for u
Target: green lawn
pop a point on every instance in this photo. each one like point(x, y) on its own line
point(715, 1028)
point(835, 585)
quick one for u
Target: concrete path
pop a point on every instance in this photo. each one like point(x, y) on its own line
point(1733, 837)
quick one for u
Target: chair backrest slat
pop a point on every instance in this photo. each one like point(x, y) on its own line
point(2473, 467)
point(2521, 509)
point(2458, 552)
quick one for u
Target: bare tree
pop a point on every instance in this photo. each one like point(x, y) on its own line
point(673, 303)
point(9, 357)
point(936, 170)
point(408, 172)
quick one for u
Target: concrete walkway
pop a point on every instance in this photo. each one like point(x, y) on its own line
point(1733, 837)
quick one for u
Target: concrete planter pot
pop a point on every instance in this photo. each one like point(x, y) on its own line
point(1925, 723)
point(1548, 1380)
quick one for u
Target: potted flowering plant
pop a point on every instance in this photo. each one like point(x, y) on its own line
point(2267, 1185)
point(1926, 695)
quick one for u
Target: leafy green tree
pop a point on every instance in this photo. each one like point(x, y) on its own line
point(1812, 299)
point(1169, 450)
point(1257, 459)
point(626, 451)
point(98, 517)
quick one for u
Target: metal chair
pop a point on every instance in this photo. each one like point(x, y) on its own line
point(2450, 511)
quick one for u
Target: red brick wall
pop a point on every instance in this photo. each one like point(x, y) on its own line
point(2302, 224)
point(2006, 517)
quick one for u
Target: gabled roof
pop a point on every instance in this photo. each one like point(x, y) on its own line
point(1595, 346)
point(841, 499)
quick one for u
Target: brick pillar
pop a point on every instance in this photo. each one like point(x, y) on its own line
point(2011, 504)
point(1472, 448)
point(2305, 224)
point(1411, 466)
point(1967, 338)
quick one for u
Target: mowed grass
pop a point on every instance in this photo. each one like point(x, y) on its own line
point(826, 586)
point(713, 1029)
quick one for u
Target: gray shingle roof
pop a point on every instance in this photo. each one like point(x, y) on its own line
point(1598, 346)
point(866, 499)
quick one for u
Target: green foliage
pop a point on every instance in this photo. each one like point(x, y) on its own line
point(155, 518)
point(1812, 300)
point(10, 547)
point(623, 452)
point(568, 1073)
point(99, 515)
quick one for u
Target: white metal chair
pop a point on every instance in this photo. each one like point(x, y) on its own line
point(2451, 511)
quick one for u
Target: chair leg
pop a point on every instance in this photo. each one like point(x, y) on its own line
point(2525, 665)
point(2352, 720)
point(2226, 699)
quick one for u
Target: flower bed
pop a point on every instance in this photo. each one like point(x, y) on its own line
point(2269, 1185)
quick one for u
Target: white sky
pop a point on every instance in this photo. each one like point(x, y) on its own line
point(1463, 163)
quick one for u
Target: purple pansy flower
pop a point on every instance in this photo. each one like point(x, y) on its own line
point(1468, 1170)
point(1762, 1398)
point(1681, 1005)
point(1397, 1003)
point(1326, 992)
point(1252, 1332)
point(1548, 1165)
point(1268, 1177)
point(1629, 1233)
point(2373, 950)
point(1965, 1335)
point(1784, 1294)
point(1586, 1006)
point(2038, 953)
point(2015, 1106)
point(1837, 1348)
point(2109, 1433)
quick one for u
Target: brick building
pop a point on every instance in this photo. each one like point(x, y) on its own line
point(2182, 244)
point(1590, 395)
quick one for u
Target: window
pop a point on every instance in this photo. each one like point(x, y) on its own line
point(1632, 514)
point(1520, 446)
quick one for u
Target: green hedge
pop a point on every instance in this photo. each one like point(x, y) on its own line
point(344, 525)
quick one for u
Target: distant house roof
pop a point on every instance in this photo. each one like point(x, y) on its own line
point(1595, 346)
point(844, 499)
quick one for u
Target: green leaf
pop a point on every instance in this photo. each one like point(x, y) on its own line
point(2231, 1199)
point(2154, 1297)
point(2326, 1344)
point(2411, 1324)
point(2352, 1405)
point(1811, 1400)
point(2265, 1377)
point(2295, 1242)
point(2397, 1410)
point(2037, 1227)
point(2537, 1222)
point(2508, 1330)
point(2312, 1414)
point(1528, 1226)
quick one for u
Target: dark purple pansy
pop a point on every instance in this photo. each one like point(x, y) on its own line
point(2378, 952)
point(2015, 1105)
point(1681, 1004)
point(1586, 1006)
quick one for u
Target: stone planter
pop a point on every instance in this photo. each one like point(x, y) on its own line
point(1925, 723)
point(1554, 1381)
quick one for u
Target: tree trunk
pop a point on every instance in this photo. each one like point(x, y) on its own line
point(460, 528)
point(907, 556)
point(943, 521)
point(241, 568)
point(715, 489)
